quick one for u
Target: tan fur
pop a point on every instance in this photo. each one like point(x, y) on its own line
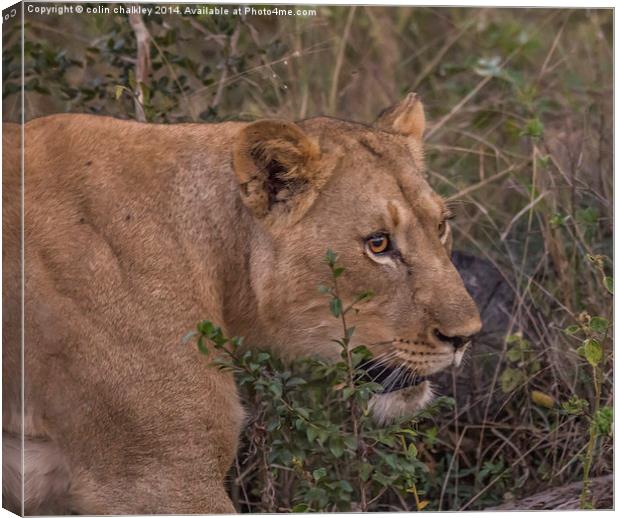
point(135, 232)
point(406, 118)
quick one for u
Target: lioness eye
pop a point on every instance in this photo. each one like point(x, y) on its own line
point(378, 244)
point(443, 226)
point(442, 229)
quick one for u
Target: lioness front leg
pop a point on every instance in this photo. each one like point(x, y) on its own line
point(159, 492)
point(168, 455)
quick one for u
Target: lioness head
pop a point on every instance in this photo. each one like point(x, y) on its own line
point(358, 190)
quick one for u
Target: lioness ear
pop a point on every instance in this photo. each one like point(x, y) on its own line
point(405, 118)
point(276, 166)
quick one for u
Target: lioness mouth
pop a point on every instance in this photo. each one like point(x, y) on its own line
point(390, 377)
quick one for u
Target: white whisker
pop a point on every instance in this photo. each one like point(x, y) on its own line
point(383, 358)
point(378, 376)
point(393, 378)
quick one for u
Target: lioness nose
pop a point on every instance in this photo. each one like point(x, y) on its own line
point(456, 341)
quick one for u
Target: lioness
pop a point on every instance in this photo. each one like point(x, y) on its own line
point(134, 232)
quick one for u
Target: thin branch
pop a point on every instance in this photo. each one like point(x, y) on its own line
point(233, 41)
point(143, 62)
point(339, 60)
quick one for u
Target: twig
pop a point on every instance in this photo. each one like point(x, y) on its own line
point(518, 215)
point(351, 382)
point(447, 477)
point(339, 60)
point(556, 40)
point(234, 77)
point(234, 39)
point(143, 62)
point(439, 56)
point(488, 180)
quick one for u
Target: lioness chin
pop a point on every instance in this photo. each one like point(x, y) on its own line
point(134, 232)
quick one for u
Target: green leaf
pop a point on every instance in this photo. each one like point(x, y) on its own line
point(331, 257)
point(335, 306)
point(300, 508)
point(202, 347)
point(510, 379)
point(276, 388)
point(533, 128)
point(593, 351)
point(575, 406)
point(205, 327)
point(599, 324)
point(132, 79)
point(557, 220)
point(587, 216)
point(388, 440)
point(323, 435)
point(514, 354)
point(571, 330)
point(319, 473)
point(609, 284)
point(365, 295)
point(516, 338)
point(431, 436)
point(412, 451)
point(350, 442)
point(335, 447)
point(337, 272)
point(345, 486)
point(303, 412)
point(603, 420)
point(360, 354)
point(382, 479)
point(311, 433)
point(262, 357)
point(365, 471)
point(118, 91)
